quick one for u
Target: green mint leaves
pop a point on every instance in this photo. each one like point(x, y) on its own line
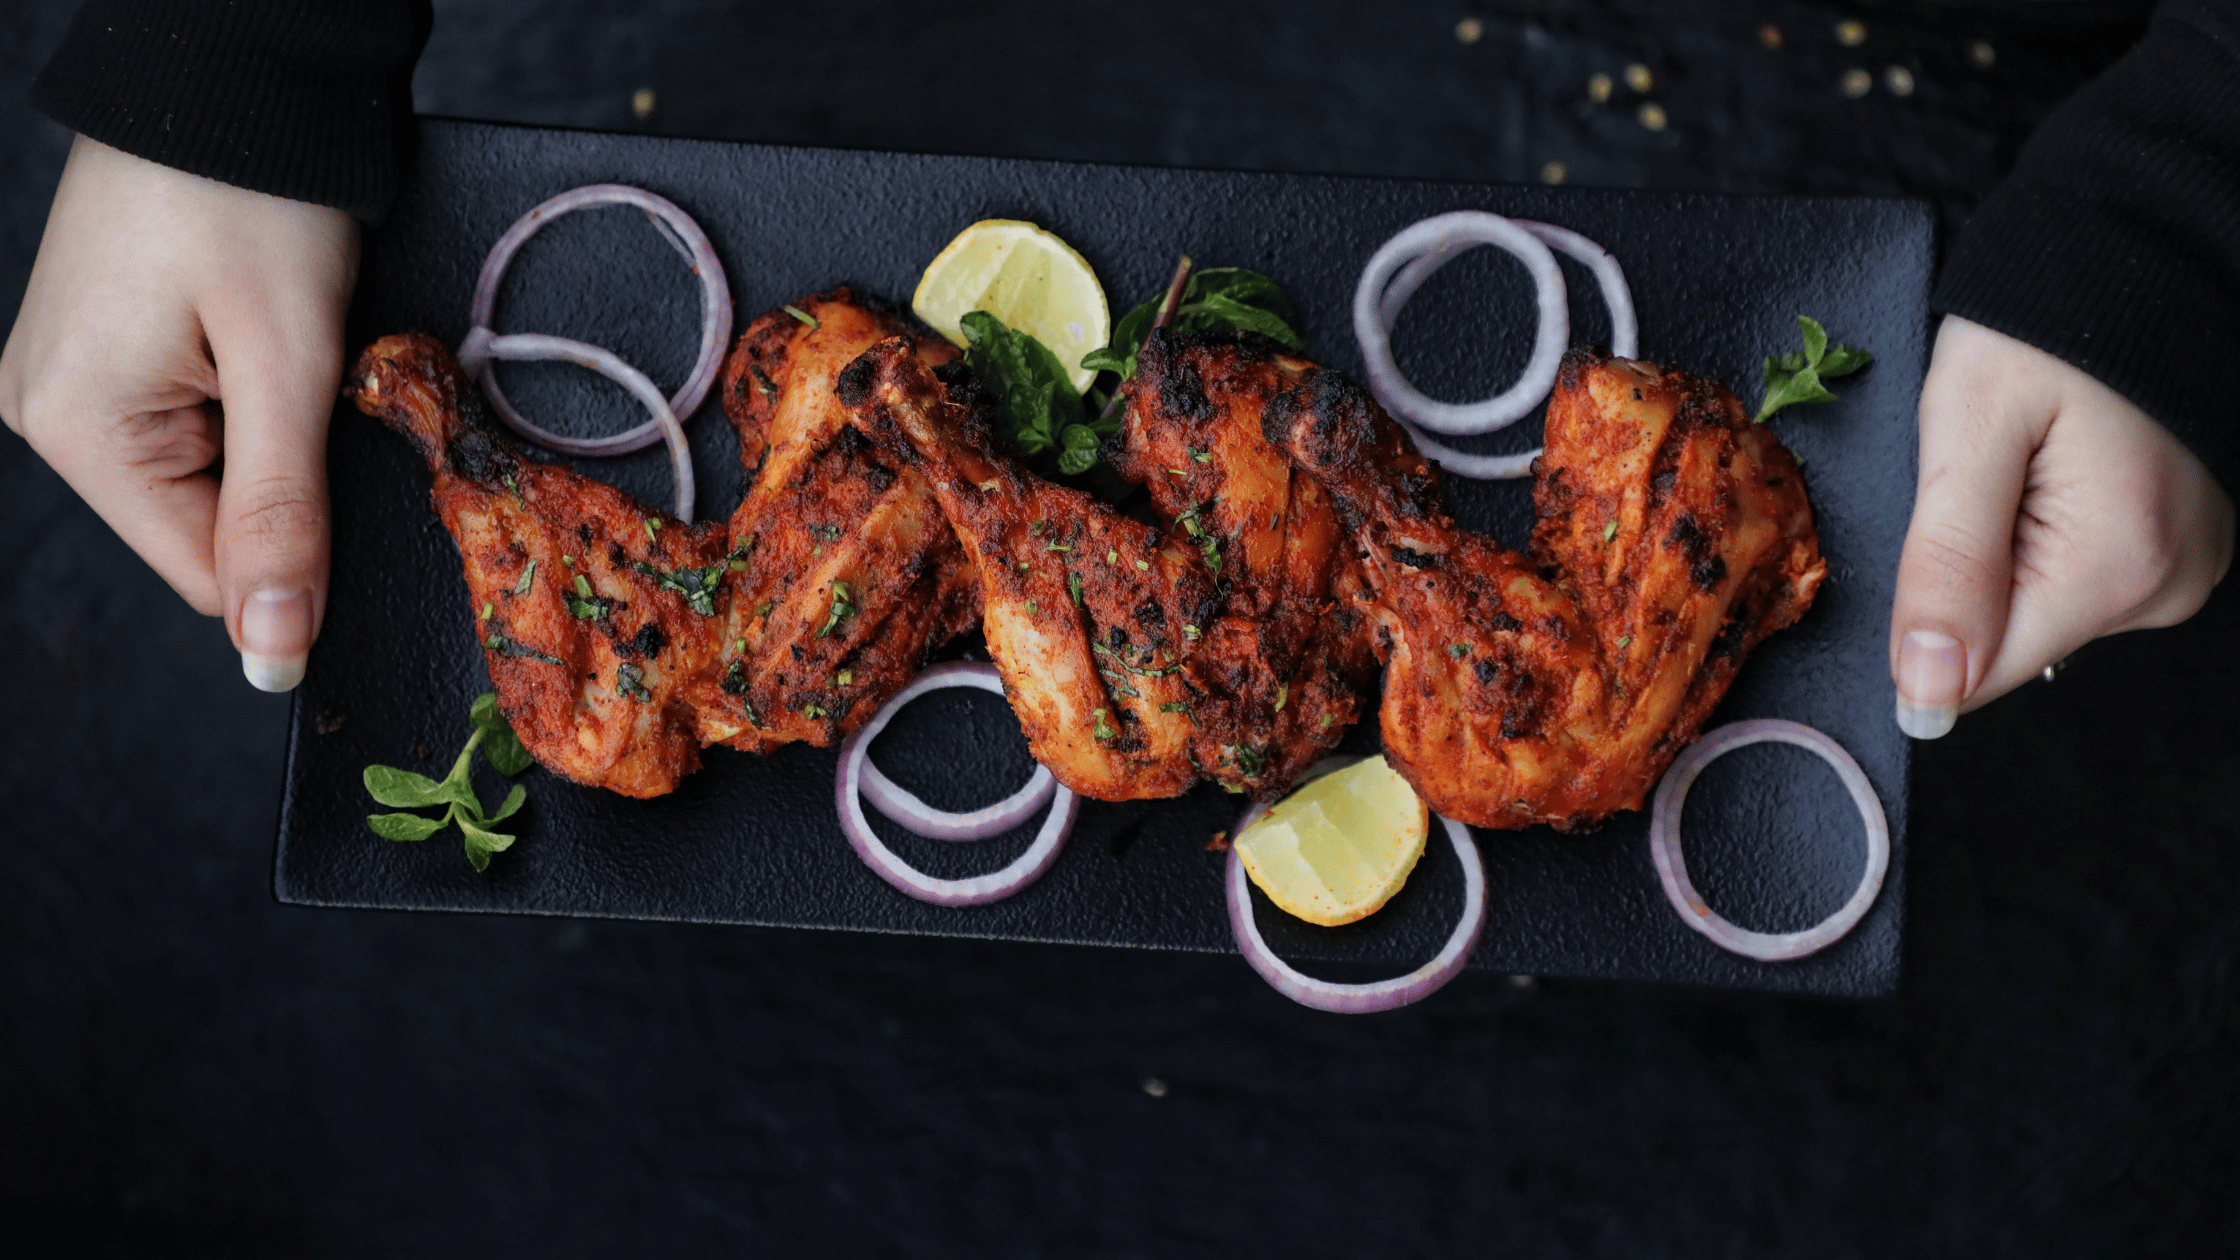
point(1795, 377)
point(1215, 300)
point(1042, 411)
point(402, 789)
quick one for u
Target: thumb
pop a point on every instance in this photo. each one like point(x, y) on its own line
point(1979, 430)
point(278, 388)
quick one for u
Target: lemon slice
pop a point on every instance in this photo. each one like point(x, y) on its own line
point(1024, 276)
point(1337, 849)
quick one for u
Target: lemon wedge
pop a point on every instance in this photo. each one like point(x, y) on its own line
point(1024, 276)
point(1335, 850)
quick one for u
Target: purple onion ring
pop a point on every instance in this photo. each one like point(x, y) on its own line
point(1672, 870)
point(1425, 246)
point(685, 237)
point(978, 889)
point(1380, 995)
point(903, 806)
point(480, 349)
point(1624, 340)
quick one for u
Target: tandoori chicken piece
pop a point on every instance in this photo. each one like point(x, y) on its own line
point(1087, 613)
point(1284, 661)
point(582, 596)
point(852, 573)
point(620, 640)
point(1673, 537)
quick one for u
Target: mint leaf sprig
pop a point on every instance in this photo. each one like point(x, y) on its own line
point(1042, 410)
point(403, 789)
point(1795, 377)
point(1216, 299)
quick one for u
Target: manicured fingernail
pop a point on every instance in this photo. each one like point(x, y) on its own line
point(1932, 670)
point(275, 638)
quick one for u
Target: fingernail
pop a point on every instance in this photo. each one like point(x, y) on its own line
point(275, 638)
point(1932, 669)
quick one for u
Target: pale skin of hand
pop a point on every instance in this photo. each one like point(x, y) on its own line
point(170, 320)
point(2050, 512)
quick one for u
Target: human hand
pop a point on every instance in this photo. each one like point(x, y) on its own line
point(2050, 511)
point(171, 320)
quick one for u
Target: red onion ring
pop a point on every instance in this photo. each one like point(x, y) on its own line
point(685, 237)
point(1438, 239)
point(978, 889)
point(904, 806)
point(1624, 339)
point(1672, 870)
point(1380, 995)
point(480, 348)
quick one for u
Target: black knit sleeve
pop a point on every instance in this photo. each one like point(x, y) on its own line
point(2115, 243)
point(305, 99)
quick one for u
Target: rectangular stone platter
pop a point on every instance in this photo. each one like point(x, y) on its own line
point(1774, 842)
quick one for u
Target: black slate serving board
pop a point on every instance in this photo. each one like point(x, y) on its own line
point(1774, 842)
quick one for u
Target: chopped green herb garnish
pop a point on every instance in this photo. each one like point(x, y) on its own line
point(841, 607)
point(631, 681)
point(760, 610)
point(1143, 564)
point(1203, 457)
point(1189, 632)
point(802, 315)
point(1795, 377)
point(698, 586)
point(1175, 706)
point(812, 710)
point(487, 609)
point(1457, 651)
point(1112, 557)
point(1623, 640)
point(830, 533)
point(844, 677)
point(528, 575)
point(1122, 661)
point(1033, 608)
point(1283, 693)
point(504, 646)
point(1059, 547)
point(1073, 585)
point(1609, 530)
point(1104, 729)
point(653, 527)
point(402, 789)
point(1251, 761)
point(570, 561)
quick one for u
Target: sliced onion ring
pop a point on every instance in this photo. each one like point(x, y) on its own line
point(685, 237)
point(979, 889)
point(481, 348)
point(1672, 870)
point(904, 806)
point(1428, 244)
point(1624, 339)
point(1380, 995)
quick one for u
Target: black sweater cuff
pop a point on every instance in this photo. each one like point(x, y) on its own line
point(2115, 244)
point(305, 99)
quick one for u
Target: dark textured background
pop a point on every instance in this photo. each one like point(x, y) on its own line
point(187, 1068)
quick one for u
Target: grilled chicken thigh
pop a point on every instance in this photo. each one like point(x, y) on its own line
point(1285, 659)
point(620, 640)
point(1673, 536)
